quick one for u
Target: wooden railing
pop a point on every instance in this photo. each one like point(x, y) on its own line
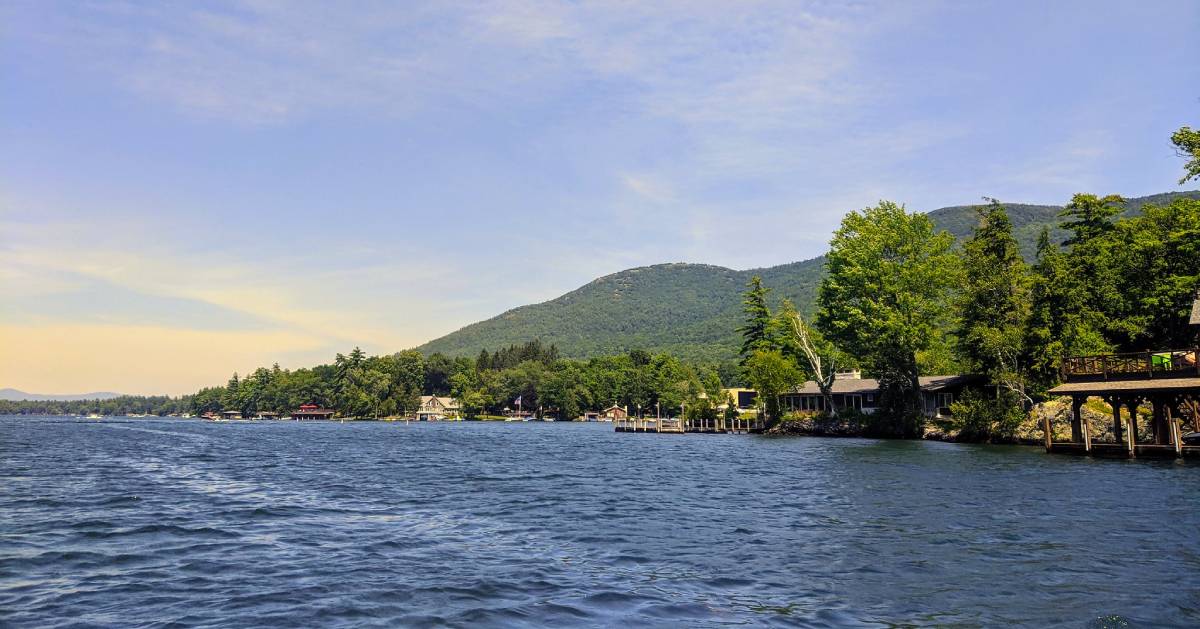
point(1171, 363)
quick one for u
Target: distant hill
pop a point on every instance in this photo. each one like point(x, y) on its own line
point(693, 310)
point(13, 395)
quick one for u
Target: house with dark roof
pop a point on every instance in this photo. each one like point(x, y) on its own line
point(312, 411)
point(851, 390)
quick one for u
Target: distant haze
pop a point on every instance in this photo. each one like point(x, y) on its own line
point(21, 396)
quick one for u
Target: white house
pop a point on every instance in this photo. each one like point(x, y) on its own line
point(434, 408)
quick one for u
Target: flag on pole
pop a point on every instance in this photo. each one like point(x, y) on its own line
point(517, 401)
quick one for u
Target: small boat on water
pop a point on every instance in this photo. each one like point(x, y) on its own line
point(94, 416)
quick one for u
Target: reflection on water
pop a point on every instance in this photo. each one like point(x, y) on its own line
point(301, 524)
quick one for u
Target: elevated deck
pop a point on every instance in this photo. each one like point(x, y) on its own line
point(1168, 381)
point(1133, 366)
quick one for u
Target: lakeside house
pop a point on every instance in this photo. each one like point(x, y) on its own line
point(614, 413)
point(436, 408)
point(851, 390)
point(231, 415)
point(312, 411)
point(744, 399)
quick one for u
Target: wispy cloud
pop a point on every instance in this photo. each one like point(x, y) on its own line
point(750, 65)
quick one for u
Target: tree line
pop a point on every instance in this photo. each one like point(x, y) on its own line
point(900, 300)
point(358, 385)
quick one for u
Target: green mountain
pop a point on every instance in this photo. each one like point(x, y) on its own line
point(693, 310)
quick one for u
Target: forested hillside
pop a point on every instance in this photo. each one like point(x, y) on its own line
point(693, 310)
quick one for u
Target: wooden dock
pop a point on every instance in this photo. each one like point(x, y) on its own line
point(673, 425)
point(1167, 381)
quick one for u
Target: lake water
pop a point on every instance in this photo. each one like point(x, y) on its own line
point(143, 522)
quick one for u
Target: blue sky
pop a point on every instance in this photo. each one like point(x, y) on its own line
point(190, 189)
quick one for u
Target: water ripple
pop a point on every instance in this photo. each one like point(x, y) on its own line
point(187, 523)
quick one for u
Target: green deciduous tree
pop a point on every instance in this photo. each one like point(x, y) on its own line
point(771, 374)
point(406, 375)
point(1157, 257)
point(885, 298)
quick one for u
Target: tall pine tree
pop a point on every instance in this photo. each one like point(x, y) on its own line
point(993, 305)
point(758, 330)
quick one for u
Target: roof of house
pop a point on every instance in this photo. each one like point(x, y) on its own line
point(855, 385)
point(941, 383)
point(444, 402)
point(615, 407)
point(930, 384)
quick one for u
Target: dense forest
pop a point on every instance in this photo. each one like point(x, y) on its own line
point(120, 405)
point(901, 300)
point(357, 385)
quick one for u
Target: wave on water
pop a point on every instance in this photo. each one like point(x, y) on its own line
point(313, 524)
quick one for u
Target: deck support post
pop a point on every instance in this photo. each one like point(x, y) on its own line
point(1132, 404)
point(1155, 422)
point(1076, 419)
point(1118, 427)
point(1087, 435)
point(1046, 431)
point(1161, 434)
point(1177, 436)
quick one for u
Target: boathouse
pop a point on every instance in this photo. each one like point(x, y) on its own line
point(1166, 381)
point(312, 411)
point(231, 415)
point(614, 413)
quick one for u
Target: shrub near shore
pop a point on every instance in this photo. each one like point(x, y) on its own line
point(975, 421)
point(847, 423)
